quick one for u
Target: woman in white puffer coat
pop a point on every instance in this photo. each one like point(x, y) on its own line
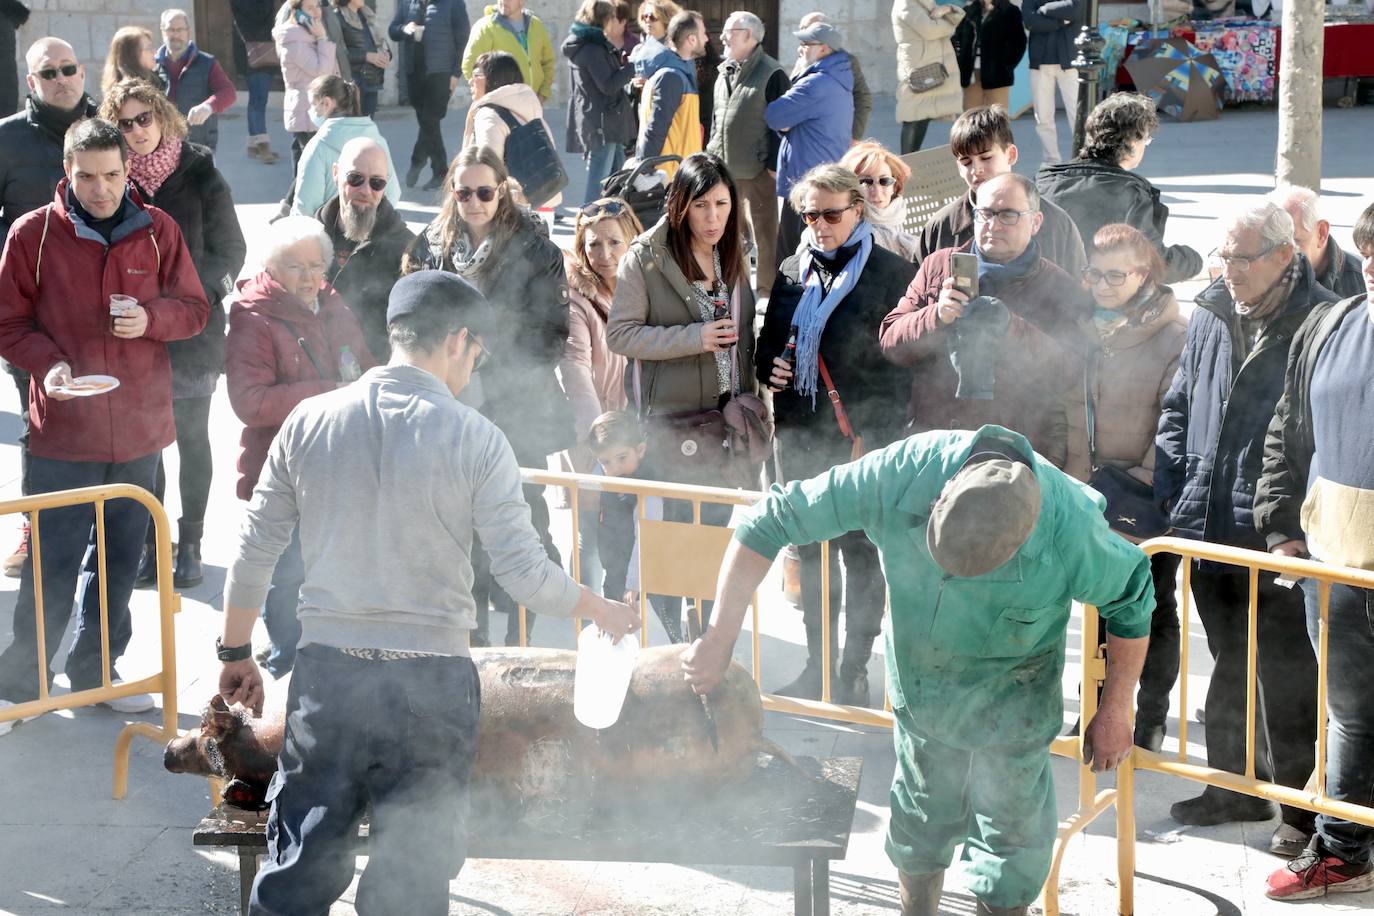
point(923, 29)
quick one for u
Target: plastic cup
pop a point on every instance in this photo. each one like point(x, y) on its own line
point(602, 677)
point(121, 305)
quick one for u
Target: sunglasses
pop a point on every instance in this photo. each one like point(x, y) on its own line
point(1113, 277)
point(831, 216)
point(483, 354)
point(886, 181)
point(356, 179)
point(50, 73)
point(486, 194)
point(606, 206)
point(648, 17)
point(142, 119)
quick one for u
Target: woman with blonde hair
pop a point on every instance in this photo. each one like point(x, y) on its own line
point(654, 16)
point(501, 248)
point(131, 57)
point(882, 175)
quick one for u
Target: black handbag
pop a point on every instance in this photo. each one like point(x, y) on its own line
point(1131, 508)
point(532, 158)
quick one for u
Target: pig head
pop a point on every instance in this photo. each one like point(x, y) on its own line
point(230, 744)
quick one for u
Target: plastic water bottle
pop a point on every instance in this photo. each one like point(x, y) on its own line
point(602, 677)
point(349, 369)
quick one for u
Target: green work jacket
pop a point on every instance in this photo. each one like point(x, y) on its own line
point(974, 661)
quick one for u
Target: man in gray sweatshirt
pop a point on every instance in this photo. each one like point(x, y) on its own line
point(384, 701)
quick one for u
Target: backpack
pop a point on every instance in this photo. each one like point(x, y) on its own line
point(531, 158)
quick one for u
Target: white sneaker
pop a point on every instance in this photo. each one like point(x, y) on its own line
point(8, 725)
point(138, 702)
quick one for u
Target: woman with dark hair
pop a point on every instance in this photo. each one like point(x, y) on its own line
point(989, 43)
point(335, 110)
point(827, 307)
point(486, 238)
point(1101, 187)
point(180, 178)
point(600, 115)
point(131, 57)
point(365, 47)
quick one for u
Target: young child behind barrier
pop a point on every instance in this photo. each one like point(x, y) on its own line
point(617, 442)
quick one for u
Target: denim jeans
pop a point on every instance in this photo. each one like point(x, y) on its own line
point(66, 539)
point(369, 101)
point(279, 613)
point(259, 84)
point(1350, 713)
point(399, 734)
point(602, 163)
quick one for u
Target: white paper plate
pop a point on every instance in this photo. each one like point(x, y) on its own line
point(85, 386)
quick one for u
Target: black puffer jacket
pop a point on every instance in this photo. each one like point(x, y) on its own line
point(1095, 193)
point(874, 391)
point(599, 109)
point(1210, 446)
point(525, 283)
point(31, 158)
point(366, 278)
point(999, 38)
point(197, 197)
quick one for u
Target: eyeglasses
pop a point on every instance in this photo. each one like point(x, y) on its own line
point(356, 179)
point(1005, 217)
point(886, 181)
point(831, 216)
point(301, 270)
point(1113, 277)
point(486, 194)
point(606, 206)
point(50, 73)
point(142, 119)
point(1240, 263)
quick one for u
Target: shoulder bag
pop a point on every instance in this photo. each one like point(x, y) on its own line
point(532, 158)
point(1131, 509)
point(856, 440)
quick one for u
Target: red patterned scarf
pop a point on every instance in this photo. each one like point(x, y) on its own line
point(152, 170)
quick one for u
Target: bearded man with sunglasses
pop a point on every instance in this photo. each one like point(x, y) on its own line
point(369, 237)
point(1012, 354)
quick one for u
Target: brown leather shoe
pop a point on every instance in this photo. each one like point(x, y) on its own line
point(921, 893)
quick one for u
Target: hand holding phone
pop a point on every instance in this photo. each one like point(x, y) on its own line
point(964, 268)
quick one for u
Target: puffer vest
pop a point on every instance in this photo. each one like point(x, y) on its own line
point(738, 132)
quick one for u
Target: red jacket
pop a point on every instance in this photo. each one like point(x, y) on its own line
point(57, 309)
point(1040, 368)
point(269, 372)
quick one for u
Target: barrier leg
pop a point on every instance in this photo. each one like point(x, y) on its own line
point(121, 753)
point(1125, 837)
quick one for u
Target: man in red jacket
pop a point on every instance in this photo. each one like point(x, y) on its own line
point(60, 266)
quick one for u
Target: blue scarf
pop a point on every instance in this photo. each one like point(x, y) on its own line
point(995, 277)
point(815, 308)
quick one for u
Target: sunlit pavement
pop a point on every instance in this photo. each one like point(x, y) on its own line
point(66, 845)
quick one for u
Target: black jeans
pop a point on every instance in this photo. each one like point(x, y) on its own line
point(1287, 689)
point(864, 591)
point(429, 95)
point(400, 735)
point(1161, 660)
point(913, 135)
point(486, 590)
point(67, 541)
point(21, 381)
point(790, 228)
point(192, 418)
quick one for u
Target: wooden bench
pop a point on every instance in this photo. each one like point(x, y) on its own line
point(778, 817)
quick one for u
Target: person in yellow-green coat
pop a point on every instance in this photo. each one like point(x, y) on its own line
point(985, 544)
point(507, 26)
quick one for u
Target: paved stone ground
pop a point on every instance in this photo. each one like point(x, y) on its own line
point(65, 845)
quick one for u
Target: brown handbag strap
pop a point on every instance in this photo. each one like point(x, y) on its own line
point(841, 417)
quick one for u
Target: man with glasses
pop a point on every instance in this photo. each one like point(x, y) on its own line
point(60, 268)
point(1209, 452)
point(195, 81)
point(30, 168)
point(369, 237)
point(1014, 353)
point(749, 80)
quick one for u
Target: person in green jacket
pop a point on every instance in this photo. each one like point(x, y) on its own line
point(985, 544)
point(506, 26)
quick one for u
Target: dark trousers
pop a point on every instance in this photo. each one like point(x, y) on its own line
point(368, 98)
point(913, 135)
point(299, 139)
point(789, 231)
point(280, 611)
point(1349, 711)
point(192, 418)
point(259, 85)
point(21, 381)
point(615, 544)
point(863, 590)
point(1161, 660)
point(429, 95)
point(66, 539)
point(400, 735)
point(486, 590)
point(1287, 689)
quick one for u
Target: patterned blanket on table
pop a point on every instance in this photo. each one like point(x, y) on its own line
point(1245, 50)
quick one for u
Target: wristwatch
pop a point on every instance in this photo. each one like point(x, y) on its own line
point(233, 653)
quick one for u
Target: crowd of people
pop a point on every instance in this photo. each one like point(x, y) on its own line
point(777, 323)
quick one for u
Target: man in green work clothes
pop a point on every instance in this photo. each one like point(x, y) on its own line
point(984, 544)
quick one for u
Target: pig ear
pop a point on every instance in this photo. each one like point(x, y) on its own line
point(218, 719)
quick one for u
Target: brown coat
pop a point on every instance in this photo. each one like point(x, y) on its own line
point(1040, 367)
point(1133, 372)
point(593, 376)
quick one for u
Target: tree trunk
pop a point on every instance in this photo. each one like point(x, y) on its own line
point(1299, 159)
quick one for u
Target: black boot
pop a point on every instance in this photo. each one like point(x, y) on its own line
point(147, 563)
point(188, 572)
point(851, 688)
point(808, 684)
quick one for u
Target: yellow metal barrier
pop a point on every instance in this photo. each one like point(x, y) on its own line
point(163, 682)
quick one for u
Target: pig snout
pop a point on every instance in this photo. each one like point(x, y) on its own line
point(184, 755)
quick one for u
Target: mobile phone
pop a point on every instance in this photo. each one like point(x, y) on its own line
point(303, 18)
point(965, 270)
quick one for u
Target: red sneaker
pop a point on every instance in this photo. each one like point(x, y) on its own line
point(13, 564)
point(1313, 874)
